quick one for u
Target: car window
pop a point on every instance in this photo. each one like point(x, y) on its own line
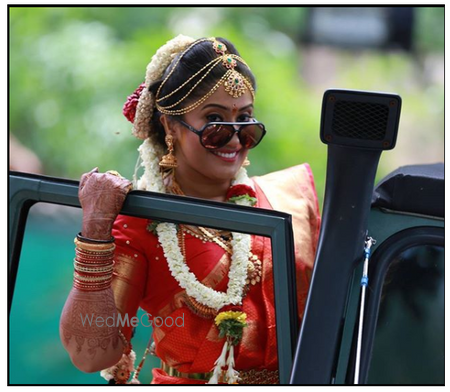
point(409, 341)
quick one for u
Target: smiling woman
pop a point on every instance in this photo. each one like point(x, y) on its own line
point(195, 114)
point(223, 147)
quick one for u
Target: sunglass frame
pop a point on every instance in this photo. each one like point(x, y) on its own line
point(241, 126)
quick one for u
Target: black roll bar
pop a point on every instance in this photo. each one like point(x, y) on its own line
point(357, 126)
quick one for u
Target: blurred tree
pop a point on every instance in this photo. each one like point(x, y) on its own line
point(429, 31)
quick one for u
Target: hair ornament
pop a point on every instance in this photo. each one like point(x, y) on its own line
point(228, 61)
point(219, 47)
point(235, 84)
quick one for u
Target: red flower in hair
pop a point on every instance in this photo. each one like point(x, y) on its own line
point(240, 190)
point(129, 108)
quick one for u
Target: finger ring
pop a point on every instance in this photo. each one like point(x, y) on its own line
point(114, 173)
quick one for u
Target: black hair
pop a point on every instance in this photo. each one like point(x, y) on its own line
point(194, 59)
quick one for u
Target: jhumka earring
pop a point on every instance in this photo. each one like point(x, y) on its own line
point(169, 161)
point(246, 162)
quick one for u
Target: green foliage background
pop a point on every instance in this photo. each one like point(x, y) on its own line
point(71, 69)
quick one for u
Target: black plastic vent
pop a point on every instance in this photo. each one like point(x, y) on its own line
point(360, 120)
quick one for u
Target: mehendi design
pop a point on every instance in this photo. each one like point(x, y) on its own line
point(101, 196)
point(85, 317)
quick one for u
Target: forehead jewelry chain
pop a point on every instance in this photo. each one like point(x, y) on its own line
point(234, 83)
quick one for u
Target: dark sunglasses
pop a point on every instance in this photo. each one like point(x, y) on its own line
point(215, 135)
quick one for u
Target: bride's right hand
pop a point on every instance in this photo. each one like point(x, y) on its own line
point(101, 196)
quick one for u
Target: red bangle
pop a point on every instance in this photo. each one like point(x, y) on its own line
point(94, 259)
point(84, 286)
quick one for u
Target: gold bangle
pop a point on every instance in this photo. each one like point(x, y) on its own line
point(109, 247)
point(79, 283)
point(93, 265)
point(88, 281)
point(83, 278)
point(95, 249)
point(93, 270)
point(93, 255)
point(89, 254)
point(85, 268)
point(91, 287)
point(87, 285)
point(83, 283)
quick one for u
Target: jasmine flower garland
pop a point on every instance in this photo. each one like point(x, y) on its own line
point(167, 235)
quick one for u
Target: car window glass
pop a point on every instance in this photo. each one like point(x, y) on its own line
point(409, 341)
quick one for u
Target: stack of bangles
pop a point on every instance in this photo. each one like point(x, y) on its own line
point(93, 269)
point(93, 264)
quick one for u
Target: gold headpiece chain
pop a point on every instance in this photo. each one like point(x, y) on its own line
point(235, 84)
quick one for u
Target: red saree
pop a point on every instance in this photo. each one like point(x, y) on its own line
point(142, 278)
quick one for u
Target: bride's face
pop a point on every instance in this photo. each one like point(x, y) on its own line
point(216, 165)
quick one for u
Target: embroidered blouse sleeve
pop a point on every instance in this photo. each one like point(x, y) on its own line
point(130, 269)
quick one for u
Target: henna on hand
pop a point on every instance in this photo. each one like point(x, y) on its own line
point(83, 335)
point(101, 196)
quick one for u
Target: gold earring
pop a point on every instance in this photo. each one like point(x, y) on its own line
point(169, 161)
point(246, 162)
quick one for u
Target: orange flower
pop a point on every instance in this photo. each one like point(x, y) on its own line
point(121, 375)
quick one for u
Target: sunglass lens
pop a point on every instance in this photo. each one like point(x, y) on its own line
point(251, 135)
point(216, 136)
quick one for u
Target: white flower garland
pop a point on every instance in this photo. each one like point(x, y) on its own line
point(167, 235)
point(151, 180)
point(150, 154)
point(242, 178)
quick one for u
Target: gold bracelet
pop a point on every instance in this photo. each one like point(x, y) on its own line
point(83, 278)
point(92, 256)
point(93, 270)
point(82, 263)
point(78, 282)
point(94, 247)
point(89, 254)
point(92, 267)
point(82, 287)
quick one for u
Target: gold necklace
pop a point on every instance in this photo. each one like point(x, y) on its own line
point(209, 234)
